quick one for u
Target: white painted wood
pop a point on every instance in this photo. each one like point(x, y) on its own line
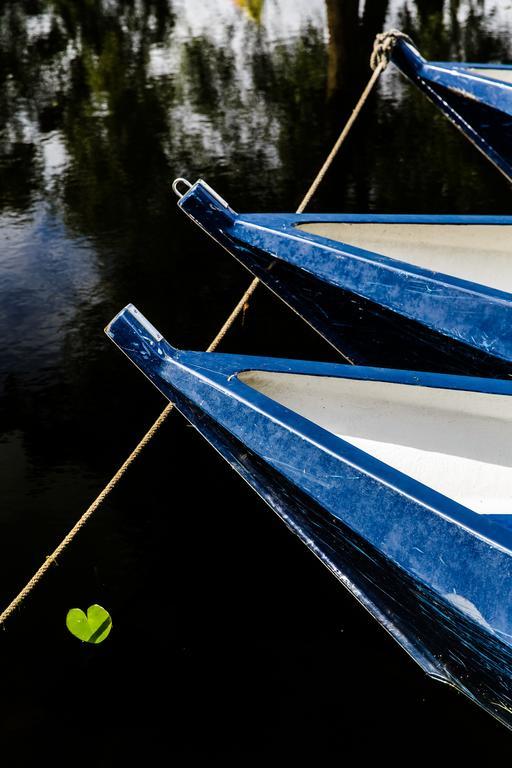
point(481, 253)
point(505, 75)
point(458, 443)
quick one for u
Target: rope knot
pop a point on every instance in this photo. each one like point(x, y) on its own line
point(383, 47)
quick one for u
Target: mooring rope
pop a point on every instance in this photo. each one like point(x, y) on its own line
point(379, 60)
point(341, 138)
point(383, 47)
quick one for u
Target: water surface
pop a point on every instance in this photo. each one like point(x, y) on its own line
point(253, 646)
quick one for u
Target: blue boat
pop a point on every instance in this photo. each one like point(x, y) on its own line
point(399, 482)
point(418, 292)
point(477, 98)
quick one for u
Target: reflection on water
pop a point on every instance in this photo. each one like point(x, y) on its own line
point(101, 105)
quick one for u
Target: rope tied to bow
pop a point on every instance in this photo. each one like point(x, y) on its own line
point(383, 47)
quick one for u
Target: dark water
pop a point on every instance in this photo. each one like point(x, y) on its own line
point(229, 638)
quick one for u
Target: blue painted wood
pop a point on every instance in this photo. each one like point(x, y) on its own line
point(436, 575)
point(481, 107)
point(434, 321)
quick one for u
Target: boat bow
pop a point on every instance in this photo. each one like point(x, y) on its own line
point(434, 573)
point(472, 96)
point(372, 307)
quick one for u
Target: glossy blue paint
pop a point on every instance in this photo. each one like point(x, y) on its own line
point(480, 106)
point(435, 574)
point(439, 321)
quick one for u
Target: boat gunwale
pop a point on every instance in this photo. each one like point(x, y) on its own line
point(374, 467)
point(423, 69)
point(225, 377)
point(389, 262)
point(425, 74)
point(219, 221)
point(288, 223)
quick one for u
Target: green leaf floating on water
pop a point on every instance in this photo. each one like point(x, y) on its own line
point(93, 628)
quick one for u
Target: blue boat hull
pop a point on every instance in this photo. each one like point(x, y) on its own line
point(337, 518)
point(448, 647)
point(480, 106)
point(372, 309)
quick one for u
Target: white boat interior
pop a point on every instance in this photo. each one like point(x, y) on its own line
point(480, 253)
point(505, 74)
point(456, 442)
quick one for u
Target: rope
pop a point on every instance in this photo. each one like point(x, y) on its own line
point(241, 306)
point(341, 138)
point(383, 47)
point(85, 517)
